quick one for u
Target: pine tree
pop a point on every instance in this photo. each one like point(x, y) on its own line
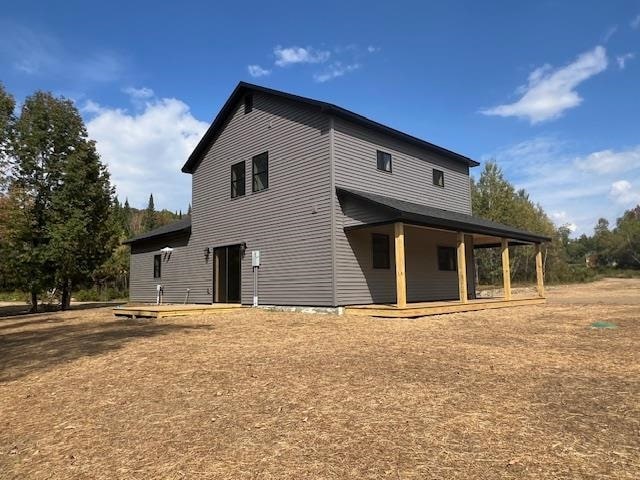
point(59, 223)
point(82, 227)
point(126, 218)
point(46, 133)
point(150, 217)
point(189, 210)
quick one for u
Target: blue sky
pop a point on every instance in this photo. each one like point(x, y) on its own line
point(549, 89)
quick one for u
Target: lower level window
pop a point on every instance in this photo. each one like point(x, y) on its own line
point(447, 259)
point(157, 265)
point(380, 250)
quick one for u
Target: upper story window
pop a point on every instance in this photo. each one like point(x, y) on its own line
point(447, 259)
point(157, 266)
point(237, 179)
point(248, 103)
point(438, 178)
point(384, 161)
point(380, 250)
point(260, 172)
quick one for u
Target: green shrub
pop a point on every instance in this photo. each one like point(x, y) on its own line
point(15, 296)
point(95, 295)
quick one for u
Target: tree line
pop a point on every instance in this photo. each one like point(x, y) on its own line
point(61, 226)
point(565, 259)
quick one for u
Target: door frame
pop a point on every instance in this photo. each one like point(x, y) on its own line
point(215, 272)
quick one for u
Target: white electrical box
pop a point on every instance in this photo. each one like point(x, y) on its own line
point(255, 258)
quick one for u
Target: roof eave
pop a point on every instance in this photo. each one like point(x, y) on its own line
point(139, 239)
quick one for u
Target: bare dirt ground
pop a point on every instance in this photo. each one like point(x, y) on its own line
point(528, 392)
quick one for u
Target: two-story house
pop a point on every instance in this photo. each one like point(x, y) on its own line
point(342, 210)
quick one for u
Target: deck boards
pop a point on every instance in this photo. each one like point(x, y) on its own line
point(437, 308)
point(161, 311)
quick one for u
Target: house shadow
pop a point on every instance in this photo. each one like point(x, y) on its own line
point(60, 341)
point(24, 309)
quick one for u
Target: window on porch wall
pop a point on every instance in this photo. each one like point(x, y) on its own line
point(447, 259)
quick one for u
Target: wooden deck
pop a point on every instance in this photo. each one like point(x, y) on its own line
point(437, 308)
point(160, 311)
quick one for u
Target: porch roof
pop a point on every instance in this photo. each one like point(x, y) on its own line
point(413, 213)
point(180, 226)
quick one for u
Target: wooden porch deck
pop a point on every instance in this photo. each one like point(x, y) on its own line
point(168, 310)
point(437, 308)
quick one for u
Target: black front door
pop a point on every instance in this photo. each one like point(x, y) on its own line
point(226, 274)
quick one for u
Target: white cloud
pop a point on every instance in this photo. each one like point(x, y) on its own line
point(139, 93)
point(562, 219)
point(622, 59)
point(610, 161)
point(145, 150)
point(257, 71)
point(573, 188)
point(291, 55)
point(326, 64)
point(635, 23)
point(335, 70)
point(91, 107)
point(624, 194)
point(550, 92)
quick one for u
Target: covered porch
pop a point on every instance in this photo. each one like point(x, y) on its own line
point(426, 282)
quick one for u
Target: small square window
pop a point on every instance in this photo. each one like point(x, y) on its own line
point(447, 259)
point(248, 103)
point(260, 167)
point(384, 161)
point(157, 266)
point(380, 250)
point(237, 179)
point(438, 178)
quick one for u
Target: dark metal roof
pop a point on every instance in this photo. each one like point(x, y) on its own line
point(401, 211)
point(183, 225)
point(244, 87)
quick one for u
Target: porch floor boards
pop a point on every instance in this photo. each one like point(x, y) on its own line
point(168, 310)
point(422, 309)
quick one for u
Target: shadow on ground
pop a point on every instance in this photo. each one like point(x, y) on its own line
point(23, 309)
point(27, 351)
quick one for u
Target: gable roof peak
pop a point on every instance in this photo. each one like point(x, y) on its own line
point(243, 87)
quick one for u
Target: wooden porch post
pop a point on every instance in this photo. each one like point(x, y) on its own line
point(506, 270)
point(539, 271)
point(462, 269)
point(401, 280)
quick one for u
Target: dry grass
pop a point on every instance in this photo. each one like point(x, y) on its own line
point(530, 392)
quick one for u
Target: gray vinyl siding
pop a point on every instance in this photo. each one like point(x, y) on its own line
point(289, 222)
point(424, 281)
point(174, 269)
point(411, 179)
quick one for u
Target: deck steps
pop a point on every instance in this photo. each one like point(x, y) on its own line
point(437, 308)
point(161, 311)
